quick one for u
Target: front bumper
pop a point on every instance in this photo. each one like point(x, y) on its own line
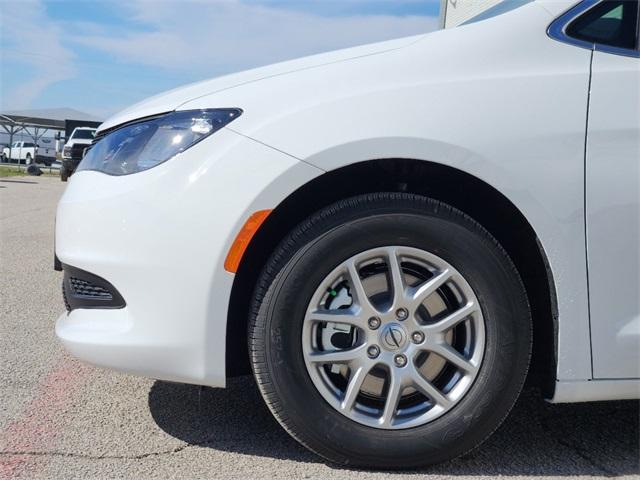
point(160, 237)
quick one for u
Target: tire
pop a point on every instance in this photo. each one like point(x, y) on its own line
point(64, 174)
point(302, 262)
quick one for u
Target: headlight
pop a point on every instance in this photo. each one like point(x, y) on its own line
point(142, 145)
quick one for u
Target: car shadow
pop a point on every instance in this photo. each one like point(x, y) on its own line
point(536, 439)
point(234, 419)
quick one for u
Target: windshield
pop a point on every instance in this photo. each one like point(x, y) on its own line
point(502, 7)
point(84, 134)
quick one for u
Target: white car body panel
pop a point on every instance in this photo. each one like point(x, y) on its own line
point(556, 7)
point(613, 222)
point(441, 98)
point(595, 390)
point(173, 99)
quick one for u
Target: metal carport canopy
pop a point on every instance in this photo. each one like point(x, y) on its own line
point(40, 121)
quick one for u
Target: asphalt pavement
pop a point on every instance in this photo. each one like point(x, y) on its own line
point(63, 419)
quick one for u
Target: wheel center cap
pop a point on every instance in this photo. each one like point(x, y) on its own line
point(393, 337)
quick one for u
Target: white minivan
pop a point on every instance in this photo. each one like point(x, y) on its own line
point(391, 237)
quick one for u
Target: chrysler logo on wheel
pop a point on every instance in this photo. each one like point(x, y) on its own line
point(393, 337)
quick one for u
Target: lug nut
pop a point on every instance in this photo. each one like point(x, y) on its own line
point(400, 360)
point(402, 314)
point(374, 323)
point(373, 351)
point(417, 337)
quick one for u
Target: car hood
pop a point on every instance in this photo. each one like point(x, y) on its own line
point(171, 100)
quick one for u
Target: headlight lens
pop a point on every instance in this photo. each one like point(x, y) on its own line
point(142, 145)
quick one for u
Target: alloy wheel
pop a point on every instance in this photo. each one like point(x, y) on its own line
point(393, 337)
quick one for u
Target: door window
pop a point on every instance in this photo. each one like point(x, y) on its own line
point(613, 23)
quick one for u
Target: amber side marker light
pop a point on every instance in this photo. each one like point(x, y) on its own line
point(240, 244)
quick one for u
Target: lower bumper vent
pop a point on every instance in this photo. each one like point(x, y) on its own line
point(82, 289)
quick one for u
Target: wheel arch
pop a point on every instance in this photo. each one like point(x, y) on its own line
point(450, 185)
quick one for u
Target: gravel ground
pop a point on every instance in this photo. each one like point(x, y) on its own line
point(62, 419)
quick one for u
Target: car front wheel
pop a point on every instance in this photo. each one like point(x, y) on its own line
point(390, 331)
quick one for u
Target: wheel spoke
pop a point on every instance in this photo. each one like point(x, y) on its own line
point(395, 276)
point(354, 386)
point(427, 388)
point(451, 320)
point(358, 287)
point(393, 398)
point(420, 293)
point(345, 316)
point(338, 356)
point(451, 355)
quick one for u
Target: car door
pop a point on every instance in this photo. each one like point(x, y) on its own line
point(612, 183)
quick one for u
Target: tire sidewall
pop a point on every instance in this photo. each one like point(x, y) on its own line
point(507, 334)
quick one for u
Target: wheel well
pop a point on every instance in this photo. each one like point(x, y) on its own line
point(465, 192)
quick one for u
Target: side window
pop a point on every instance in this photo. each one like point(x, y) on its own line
point(610, 22)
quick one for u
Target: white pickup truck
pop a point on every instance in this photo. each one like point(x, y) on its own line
point(73, 151)
point(28, 151)
point(22, 151)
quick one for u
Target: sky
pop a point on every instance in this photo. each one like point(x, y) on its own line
point(102, 56)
